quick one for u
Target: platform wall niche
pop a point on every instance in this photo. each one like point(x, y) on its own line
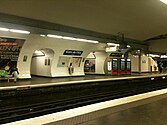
point(95, 62)
point(59, 46)
point(41, 62)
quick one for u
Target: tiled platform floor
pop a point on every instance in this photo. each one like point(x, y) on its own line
point(154, 113)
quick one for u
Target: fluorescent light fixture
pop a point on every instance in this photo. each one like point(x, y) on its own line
point(4, 29)
point(85, 40)
point(164, 1)
point(114, 59)
point(112, 44)
point(19, 31)
point(38, 53)
point(42, 35)
point(128, 46)
point(54, 36)
point(14, 30)
point(153, 55)
point(71, 38)
point(163, 56)
point(152, 78)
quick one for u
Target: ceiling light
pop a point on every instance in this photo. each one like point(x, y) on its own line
point(164, 1)
point(71, 38)
point(163, 56)
point(42, 35)
point(152, 78)
point(19, 31)
point(114, 59)
point(85, 40)
point(153, 55)
point(128, 46)
point(54, 36)
point(4, 29)
point(112, 44)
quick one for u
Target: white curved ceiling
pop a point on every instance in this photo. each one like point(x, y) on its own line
point(137, 19)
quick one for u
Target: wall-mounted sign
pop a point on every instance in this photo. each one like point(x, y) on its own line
point(143, 61)
point(73, 52)
point(25, 58)
point(116, 54)
point(9, 51)
point(47, 61)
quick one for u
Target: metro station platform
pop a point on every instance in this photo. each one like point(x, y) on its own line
point(89, 100)
point(37, 81)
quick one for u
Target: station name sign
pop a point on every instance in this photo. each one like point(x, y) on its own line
point(116, 54)
point(73, 52)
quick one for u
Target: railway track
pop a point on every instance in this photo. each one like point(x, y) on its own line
point(37, 109)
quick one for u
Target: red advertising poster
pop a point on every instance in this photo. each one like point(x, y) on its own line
point(9, 51)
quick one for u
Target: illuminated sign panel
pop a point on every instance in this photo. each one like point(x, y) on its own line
point(9, 51)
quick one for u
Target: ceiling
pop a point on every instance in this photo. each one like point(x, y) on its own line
point(137, 19)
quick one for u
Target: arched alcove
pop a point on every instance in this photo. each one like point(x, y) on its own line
point(94, 62)
point(41, 62)
point(89, 66)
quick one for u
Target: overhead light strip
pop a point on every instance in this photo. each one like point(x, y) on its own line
point(128, 46)
point(71, 38)
point(14, 30)
point(42, 35)
point(164, 1)
point(112, 44)
point(19, 31)
point(4, 29)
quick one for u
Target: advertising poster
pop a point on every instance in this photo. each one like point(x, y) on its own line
point(9, 52)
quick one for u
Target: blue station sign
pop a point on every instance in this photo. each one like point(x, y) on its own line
point(73, 52)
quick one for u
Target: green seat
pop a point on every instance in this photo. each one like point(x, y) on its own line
point(3, 73)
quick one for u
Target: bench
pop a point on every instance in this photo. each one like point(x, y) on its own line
point(7, 77)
